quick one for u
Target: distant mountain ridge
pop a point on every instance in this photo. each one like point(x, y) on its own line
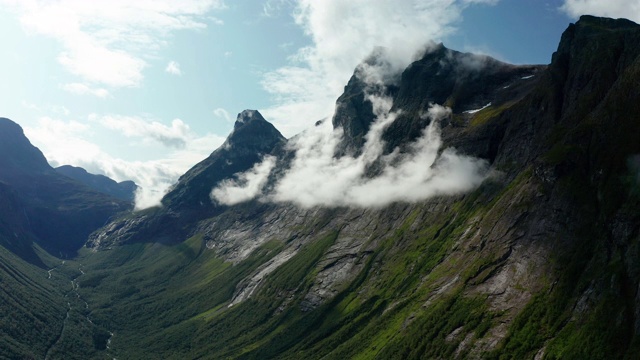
point(60, 211)
point(124, 190)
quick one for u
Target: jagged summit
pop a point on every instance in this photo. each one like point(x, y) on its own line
point(253, 133)
point(461, 81)
point(247, 116)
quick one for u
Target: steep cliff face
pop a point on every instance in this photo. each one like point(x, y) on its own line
point(539, 261)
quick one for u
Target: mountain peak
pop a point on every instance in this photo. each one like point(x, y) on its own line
point(253, 131)
point(251, 138)
point(248, 116)
point(17, 150)
point(606, 23)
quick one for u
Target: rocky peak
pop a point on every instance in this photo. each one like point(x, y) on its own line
point(461, 81)
point(247, 116)
point(253, 132)
point(252, 137)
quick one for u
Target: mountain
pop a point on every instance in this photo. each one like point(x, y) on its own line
point(537, 261)
point(60, 212)
point(124, 190)
point(252, 137)
point(42, 213)
point(189, 201)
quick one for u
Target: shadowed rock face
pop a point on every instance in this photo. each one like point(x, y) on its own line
point(124, 190)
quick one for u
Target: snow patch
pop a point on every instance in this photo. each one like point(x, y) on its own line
point(476, 110)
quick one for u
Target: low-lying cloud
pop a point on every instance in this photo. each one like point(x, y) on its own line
point(317, 178)
point(246, 186)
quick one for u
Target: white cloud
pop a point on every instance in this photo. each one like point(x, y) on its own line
point(343, 34)
point(246, 186)
point(65, 142)
point(317, 178)
point(628, 9)
point(175, 136)
point(27, 105)
point(273, 7)
point(173, 68)
point(106, 42)
point(81, 89)
point(62, 110)
point(223, 114)
point(216, 20)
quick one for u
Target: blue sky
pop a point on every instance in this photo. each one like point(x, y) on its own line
point(144, 89)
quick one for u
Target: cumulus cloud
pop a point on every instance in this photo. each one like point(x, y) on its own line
point(317, 178)
point(66, 142)
point(246, 186)
point(628, 9)
point(81, 89)
point(343, 34)
point(173, 68)
point(106, 42)
point(175, 135)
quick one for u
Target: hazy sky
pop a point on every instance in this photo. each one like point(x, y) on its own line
point(144, 89)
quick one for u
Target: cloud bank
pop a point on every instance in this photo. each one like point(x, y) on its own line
point(343, 34)
point(317, 178)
